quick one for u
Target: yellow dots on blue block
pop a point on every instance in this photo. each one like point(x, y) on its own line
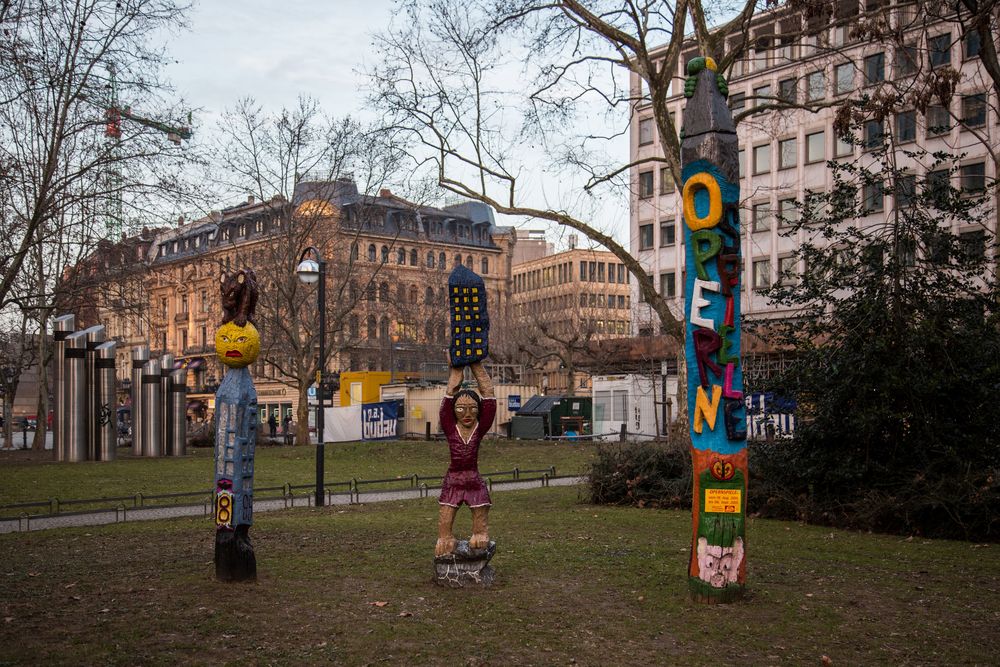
point(465, 290)
point(467, 329)
point(478, 329)
point(468, 317)
point(475, 299)
point(475, 290)
point(479, 341)
point(468, 341)
point(456, 330)
point(479, 353)
point(454, 290)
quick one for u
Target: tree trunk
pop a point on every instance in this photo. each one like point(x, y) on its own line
point(42, 409)
point(302, 416)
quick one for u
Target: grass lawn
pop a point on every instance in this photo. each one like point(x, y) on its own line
point(575, 584)
point(27, 477)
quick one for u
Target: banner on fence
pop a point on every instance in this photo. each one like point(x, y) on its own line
point(380, 421)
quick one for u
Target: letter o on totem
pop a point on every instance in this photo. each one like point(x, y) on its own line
point(691, 217)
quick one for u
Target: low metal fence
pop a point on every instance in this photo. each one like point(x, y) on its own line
point(288, 492)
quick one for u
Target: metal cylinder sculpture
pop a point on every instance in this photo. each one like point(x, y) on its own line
point(140, 356)
point(104, 415)
point(63, 326)
point(74, 377)
point(237, 345)
point(710, 199)
point(178, 413)
point(96, 335)
point(151, 444)
point(166, 416)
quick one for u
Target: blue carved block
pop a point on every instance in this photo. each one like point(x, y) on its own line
point(470, 320)
point(235, 439)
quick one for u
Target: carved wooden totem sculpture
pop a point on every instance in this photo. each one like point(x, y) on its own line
point(237, 345)
point(710, 197)
point(466, 417)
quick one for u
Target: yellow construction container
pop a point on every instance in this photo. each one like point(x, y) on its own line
point(362, 386)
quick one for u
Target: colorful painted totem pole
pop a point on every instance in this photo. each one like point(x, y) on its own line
point(710, 197)
point(237, 345)
point(466, 417)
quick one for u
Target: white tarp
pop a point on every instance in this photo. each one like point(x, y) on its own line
point(342, 424)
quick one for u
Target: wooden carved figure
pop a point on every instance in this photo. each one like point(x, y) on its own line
point(239, 297)
point(710, 198)
point(466, 417)
point(237, 346)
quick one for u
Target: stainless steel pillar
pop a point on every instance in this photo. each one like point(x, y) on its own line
point(75, 397)
point(107, 422)
point(63, 326)
point(178, 412)
point(140, 355)
point(152, 446)
point(166, 418)
point(96, 335)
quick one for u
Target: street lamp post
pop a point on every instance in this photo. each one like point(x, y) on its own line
point(311, 271)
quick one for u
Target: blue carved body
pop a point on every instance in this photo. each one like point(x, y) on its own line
point(235, 438)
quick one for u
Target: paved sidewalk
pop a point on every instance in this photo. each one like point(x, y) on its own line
point(122, 514)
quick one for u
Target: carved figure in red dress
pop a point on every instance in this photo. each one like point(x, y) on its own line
point(466, 416)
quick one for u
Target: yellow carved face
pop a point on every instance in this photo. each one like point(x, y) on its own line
point(237, 346)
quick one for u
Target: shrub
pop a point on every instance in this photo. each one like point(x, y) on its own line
point(645, 474)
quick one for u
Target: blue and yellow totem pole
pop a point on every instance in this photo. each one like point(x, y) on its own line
point(237, 345)
point(710, 197)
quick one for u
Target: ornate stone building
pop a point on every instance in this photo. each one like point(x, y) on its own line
point(388, 262)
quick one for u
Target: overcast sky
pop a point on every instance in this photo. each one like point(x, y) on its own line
point(275, 51)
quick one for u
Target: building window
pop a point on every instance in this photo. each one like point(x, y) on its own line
point(761, 94)
point(762, 216)
point(842, 148)
point(485, 266)
point(972, 245)
point(906, 190)
point(414, 259)
point(371, 327)
point(843, 78)
point(786, 90)
point(788, 270)
point(939, 50)
point(974, 110)
point(645, 131)
point(442, 261)
point(788, 212)
point(973, 177)
point(468, 262)
point(815, 86)
point(668, 233)
point(971, 45)
point(184, 303)
point(737, 102)
point(204, 301)
point(906, 60)
point(645, 236)
point(371, 253)
point(874, 134)
point(401, 256)
point(906, 126)
point(741, 158)
point(788, 150)
point(668, 285)
point(938, 120)
point(937, 185)
point(815, 147)
point(874, 69)
point(622, 276)
point(430, 260)
point(761, 273)
point(666, 181)
point(645, 184)
point(762, 159)
point(583, 271)
point(873, 197)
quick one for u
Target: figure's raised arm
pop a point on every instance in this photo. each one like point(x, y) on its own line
point(482, 379)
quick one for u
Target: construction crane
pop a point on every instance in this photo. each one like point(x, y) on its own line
point(114, 115)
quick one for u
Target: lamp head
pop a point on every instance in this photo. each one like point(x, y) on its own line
point(308, 271)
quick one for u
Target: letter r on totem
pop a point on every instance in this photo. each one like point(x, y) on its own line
point(706, 342)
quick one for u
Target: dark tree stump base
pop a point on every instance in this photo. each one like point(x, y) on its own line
point(465, 567)
point(234, 557)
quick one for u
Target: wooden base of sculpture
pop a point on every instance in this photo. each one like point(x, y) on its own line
point(465, 567)
point(234, 557)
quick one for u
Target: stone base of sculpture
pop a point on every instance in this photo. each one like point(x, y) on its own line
point(234, 557)
point(465, 567)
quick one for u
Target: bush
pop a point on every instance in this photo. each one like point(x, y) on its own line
point(645, 474)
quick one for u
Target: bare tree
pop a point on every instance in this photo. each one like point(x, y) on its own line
point(305, 165)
